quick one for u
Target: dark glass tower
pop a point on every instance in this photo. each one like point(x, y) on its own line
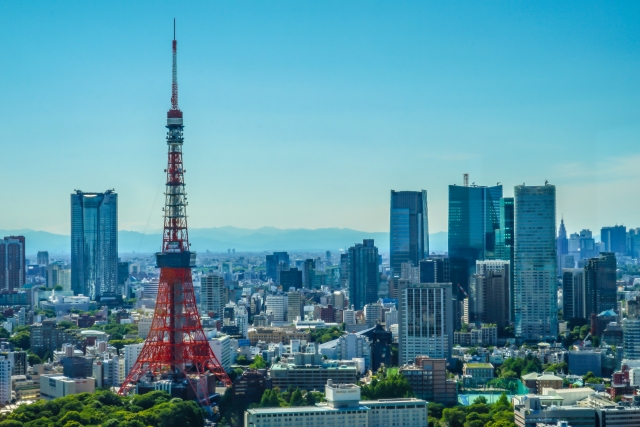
point(474, 219)
point(94, 243)
point(364, 278)
point(409, 228)
point(614, 239)
point(600, 284)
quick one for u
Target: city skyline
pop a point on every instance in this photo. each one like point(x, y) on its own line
point(456, 91)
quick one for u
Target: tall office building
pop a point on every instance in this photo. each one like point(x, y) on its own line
point(573, 293)
point(12, 262)
point(582, 245)
point(277, 262)
point(614, 239)
point(600, 284)
point(435, 269)
point(94, 243)
point(633, 243)
point(307, 273)
point(294, 306)
point(409, 229)
point(631, 330)
point(276, 306)
point(212, 295)
point(535, 287)
point(364, 278)
point(504, 243)
point(425, 325)
point(489, 293)
point(43, 258)
point(474, 220)
point(291, 278)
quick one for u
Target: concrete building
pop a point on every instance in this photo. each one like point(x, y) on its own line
point(479, 373)
point(530, 411)
point(276, 335)
point(353, 346)
point(276, 306)
point(221, 346)
point(583, 361)
point(373, 314)
point(490, 293)
point(53, 386)
point(428, 379)
point(131, 353)
point(535, 285)
point(13, 268)
point(294, 306)
point(5, 380)
point(212, 295)
point(343, 407)
point(426, 321)
point(144, 326)
point(310, 376)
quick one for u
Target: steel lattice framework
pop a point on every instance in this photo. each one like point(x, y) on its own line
point(176, 347)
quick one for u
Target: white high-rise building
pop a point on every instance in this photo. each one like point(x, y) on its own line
point(294, 306)
point(276, 306)
point(5, 380)
point(353, 346)
point(221, 346)
point(242, 319)
point(131, 353)
point(535, 283)
point(425, 321)
point(349, 316)
point(391, 318)
point(212, 298)
point(373, 314)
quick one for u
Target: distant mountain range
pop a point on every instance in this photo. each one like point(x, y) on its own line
point(220, 239)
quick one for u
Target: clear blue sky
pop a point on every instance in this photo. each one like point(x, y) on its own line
point(306, 114)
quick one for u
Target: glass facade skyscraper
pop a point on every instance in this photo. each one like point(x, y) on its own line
point(364, 277)
point(409, 229)
point(535, 287)
point(94, 244)
point(474, 219)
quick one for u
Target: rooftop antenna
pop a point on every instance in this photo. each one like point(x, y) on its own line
point(466, 179)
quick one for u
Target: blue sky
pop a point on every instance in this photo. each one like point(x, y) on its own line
point(306, 114)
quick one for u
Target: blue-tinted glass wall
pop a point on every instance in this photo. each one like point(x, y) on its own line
point(364, 277)
point(474, 218)
point(94, 243)
point(409, 228)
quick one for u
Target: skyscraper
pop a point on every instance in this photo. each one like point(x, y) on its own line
point(474, 219)
point(425, 325)
point(435, 269)
point(600, 284)
point(275, 263)
point(562, 243)
point(504, 243)
point(12, 262)
point(364, 278)
point(409, 228)
point(94, 243)
point(43, 258)
point(535, 287)
point(212, 295)
point(489, 297)
point(573, 293)
point(614, 239)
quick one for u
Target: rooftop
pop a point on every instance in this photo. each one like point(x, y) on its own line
point(479, 365)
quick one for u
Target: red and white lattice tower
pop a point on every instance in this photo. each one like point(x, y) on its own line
point(176, 348)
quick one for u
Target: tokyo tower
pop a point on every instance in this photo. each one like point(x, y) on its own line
point(176, 355)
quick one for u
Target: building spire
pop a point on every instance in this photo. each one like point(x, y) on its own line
point(175, 110)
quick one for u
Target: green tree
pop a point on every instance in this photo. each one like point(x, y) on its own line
point(296, 398)
point(454, 417)
point(21, 340)
point(258, 363)
point(480, 400)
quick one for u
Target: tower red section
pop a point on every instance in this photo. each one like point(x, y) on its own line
point(176, 348)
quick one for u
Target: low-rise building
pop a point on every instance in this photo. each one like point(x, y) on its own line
point(57, 385)
point(343, 407)
point(428, 380)
point(478, 373)
point(529, 411)
point(281, 335)
point(310, 377)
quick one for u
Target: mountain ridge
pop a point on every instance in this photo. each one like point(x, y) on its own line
point(220, 239)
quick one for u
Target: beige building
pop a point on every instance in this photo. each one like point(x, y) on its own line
point(57, 385)
point(343, 408)
point(276, 335)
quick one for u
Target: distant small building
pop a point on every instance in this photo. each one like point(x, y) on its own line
point(53, 386)
point(478, 373)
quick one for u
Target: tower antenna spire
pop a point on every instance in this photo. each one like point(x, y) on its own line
point(174, 28)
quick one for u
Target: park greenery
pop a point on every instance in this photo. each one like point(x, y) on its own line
point(517, 367)
point(386, 385)
point(479, 414)
point(324, 335)
point(106, 409)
